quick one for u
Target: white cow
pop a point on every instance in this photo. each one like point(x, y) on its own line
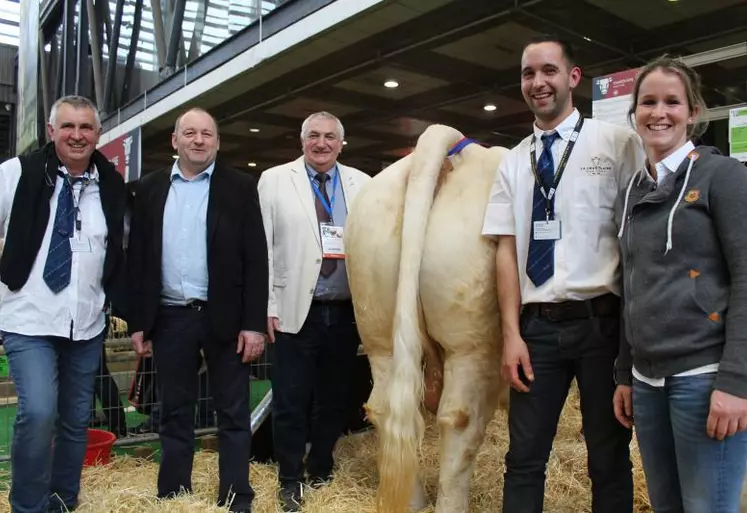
point(424, 288)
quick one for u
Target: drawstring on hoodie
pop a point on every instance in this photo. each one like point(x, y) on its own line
point(671, 212)
point(679, 198)
point(625, 207)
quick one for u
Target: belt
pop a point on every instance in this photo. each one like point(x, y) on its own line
point(194, 304)
point(331, 302)
point(607, 305)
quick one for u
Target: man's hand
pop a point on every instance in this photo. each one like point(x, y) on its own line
point(142, 348)
point(728, 415)
point(622, 403)
point(515, 355)
point(273, 325)
point(250, 345)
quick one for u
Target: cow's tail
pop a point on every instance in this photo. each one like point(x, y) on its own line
point(401, 431)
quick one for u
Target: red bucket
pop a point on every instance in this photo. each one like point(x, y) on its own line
point(99, 447)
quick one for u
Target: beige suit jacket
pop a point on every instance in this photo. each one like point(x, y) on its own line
point(293, 240)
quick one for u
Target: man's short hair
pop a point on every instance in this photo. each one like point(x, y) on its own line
point(76, 102)
point(195, 109)
point(324, 115)
point(565, 46)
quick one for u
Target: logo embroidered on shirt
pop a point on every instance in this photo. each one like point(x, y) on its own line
point(599, 166)
point(692, 195)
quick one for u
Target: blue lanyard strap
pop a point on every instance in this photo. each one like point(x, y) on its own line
point(329, 207)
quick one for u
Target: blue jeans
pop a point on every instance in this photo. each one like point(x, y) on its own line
point(54, 380)
point(686, 470)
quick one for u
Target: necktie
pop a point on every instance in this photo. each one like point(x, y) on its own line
point(60, 257)
point(541, 257)
point(328, 264)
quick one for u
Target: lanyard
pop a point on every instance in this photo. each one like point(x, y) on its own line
point(84, 181)
point(329, 207)
point(549, 195)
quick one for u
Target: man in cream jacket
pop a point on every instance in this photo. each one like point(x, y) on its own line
point(310, 315)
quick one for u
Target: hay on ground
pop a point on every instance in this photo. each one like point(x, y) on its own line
point(128, 484)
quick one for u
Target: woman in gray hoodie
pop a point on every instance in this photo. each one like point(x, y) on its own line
point(682, 367)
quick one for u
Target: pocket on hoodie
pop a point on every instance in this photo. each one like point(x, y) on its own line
point(706, 298)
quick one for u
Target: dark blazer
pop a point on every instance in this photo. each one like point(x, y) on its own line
point(236, 253)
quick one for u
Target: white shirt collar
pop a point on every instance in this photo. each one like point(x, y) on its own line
point(672, 162)
point(92, 174)
point(564, 129)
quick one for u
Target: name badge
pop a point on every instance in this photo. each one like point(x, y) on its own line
point(547, 230)
point(332, 241)
point(80, 244)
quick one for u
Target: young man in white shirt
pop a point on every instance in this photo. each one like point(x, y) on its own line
point(62, 216)
point(551, 208)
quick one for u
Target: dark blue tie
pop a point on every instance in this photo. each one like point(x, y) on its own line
point(60, 256)
point(541, 257)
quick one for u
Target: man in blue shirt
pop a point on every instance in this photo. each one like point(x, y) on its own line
point(198, 282)
point(310, 314)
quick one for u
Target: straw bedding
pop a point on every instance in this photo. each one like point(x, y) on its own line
point(127, 485)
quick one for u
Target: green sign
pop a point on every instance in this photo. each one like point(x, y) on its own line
point(738, 133)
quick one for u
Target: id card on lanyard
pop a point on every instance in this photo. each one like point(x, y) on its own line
point(78, 242)
point(331, 234)
point(549, 229)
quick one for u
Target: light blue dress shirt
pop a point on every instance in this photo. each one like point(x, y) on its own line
point(335, 286)
point(184, 273)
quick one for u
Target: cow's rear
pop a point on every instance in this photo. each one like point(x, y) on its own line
point(402, 248)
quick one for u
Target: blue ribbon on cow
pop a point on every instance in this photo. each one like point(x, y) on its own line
point(464, 141)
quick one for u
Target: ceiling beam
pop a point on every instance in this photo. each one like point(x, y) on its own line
point(449, 21)
point(702, 27)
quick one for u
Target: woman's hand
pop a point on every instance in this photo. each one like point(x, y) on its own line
point(728, 415)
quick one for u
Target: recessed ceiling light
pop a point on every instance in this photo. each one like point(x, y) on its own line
point(175, 156)
point(489, 107)
point(254, 130)
point(252, 164)
point(344, 143)
point(391, 84)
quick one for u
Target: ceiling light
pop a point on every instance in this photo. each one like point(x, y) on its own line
point(252, 164)
point(254, 130)
point(489, 107)
point(587, 39)
point(175, 156)
point(391, 84)
point(344, 143)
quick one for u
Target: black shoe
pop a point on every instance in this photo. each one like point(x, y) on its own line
point(317, 482)
point(291, 497)
point(235, 508)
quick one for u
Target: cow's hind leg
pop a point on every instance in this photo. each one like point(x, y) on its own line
point(467, 405)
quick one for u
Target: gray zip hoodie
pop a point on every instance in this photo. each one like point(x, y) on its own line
point(684, 271)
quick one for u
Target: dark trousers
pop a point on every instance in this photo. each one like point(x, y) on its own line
point(179, 335)
point(561, 350)
point(314, 364)
point(205, 406)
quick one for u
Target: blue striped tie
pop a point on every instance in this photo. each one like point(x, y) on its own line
point(541, 257)
point(60, 256)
